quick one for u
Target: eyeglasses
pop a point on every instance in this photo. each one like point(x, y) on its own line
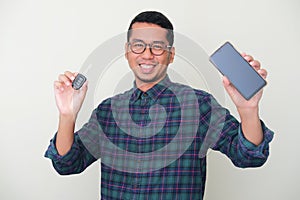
point(156, 48)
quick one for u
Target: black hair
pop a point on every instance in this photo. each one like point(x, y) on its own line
point(154, 17)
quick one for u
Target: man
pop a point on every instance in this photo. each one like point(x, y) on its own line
point(149, 51)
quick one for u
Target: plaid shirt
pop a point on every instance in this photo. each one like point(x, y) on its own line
point(158, 176)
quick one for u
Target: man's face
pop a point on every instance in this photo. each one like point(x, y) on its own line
point(148, 68)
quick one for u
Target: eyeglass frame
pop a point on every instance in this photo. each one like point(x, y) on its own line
point(166, 47)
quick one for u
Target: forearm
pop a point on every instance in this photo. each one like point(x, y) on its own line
point(76, 160)
point(69, 154)
point(65, 134)
point(251, 125)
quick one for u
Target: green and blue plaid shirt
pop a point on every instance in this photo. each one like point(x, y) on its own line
point(130, 169)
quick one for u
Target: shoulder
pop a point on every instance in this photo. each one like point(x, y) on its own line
point(186, 89)
point(106, 104)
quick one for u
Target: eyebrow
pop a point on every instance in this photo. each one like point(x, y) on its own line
point(153, 42)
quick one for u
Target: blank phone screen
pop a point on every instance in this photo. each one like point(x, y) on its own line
point(240, 73)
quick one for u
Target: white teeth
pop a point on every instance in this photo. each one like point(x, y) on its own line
point(147, 66)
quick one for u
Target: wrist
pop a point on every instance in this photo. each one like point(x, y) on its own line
point(67, 117)
point(248, 113)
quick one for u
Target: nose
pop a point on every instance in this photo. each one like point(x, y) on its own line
point(147, 54)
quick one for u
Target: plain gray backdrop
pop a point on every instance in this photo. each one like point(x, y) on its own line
point(41, 39)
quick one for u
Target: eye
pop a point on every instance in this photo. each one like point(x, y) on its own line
point(138, 45)
point(157, 46)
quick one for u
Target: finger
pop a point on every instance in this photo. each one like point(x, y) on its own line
point(58, 86)
point(228, 86)
point(263, 73)
point(64, 79)
point(71, 75)
point(85, 84)
point(226, 81)
point(243, 54)
point(84, 87)
point(249, 58)
point(255, 64)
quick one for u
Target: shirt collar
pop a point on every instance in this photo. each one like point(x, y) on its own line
point(153, 92)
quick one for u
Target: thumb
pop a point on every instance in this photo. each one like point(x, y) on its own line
point(226, 81)
point(228, 86)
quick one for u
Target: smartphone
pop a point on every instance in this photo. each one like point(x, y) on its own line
point(239, 72)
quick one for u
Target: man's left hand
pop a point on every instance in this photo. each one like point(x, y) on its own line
point(237, 98)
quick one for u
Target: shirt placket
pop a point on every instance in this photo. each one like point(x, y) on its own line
point(144, 108)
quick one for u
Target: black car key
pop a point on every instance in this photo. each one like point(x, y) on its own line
point(78, 81)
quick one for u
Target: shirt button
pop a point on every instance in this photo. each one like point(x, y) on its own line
point(136, 186)
point(145, 94)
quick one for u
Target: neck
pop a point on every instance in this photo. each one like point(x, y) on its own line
point(145, 86)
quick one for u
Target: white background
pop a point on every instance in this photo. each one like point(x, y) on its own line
point(40, 39)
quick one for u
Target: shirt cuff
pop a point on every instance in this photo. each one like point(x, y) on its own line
point(53, 154)
point(261, 150)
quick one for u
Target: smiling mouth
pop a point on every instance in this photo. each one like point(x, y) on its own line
point(147, 68)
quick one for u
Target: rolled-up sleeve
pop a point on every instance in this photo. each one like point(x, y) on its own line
point(229, 139)
point(79, 157)
point(76, 160)
point(255, 154)
point(242, 152)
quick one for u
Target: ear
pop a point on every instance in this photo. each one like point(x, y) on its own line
point(171, 55)
point(126, 50)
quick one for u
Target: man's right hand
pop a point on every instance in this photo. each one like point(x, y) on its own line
point(68, 100)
